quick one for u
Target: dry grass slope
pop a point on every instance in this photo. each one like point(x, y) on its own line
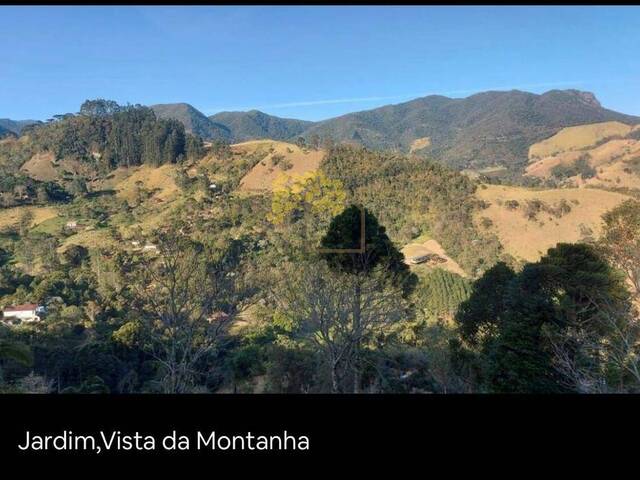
point(419, 144)
point(158, 180)
point(530, 239)
point(277, 157)
point(11, 216)
point(576, 138)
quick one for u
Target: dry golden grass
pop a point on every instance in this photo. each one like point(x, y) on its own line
point(159, 180)
point(264, 174)
point(40, 167)
point(576, 138)
point(614, 175)
point(609, 161)
point(527, 239)
point(11, 216)
point(419, 144)
point(431, 247)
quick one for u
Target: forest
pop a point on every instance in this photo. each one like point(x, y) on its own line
point(250, 293)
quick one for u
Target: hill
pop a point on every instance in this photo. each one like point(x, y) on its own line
point(278, 160)
point(577, 138)
point(254, 125)
point(15, 126)
point(485, 129)
point(604, 155)
point(4, 131)
point(193, 120)
point(528, 222)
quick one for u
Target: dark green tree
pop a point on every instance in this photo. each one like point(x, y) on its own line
point(378, 257)
point(546, 327)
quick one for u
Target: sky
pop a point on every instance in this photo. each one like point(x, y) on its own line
point(310, 63)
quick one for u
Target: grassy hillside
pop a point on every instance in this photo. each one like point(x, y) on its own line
point(528, 222)
point(577, 138)
point(278, 160)
point(605, 155)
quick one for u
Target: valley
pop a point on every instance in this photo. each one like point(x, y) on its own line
point(112, 217)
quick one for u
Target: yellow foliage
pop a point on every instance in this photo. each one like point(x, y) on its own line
point(311, 192)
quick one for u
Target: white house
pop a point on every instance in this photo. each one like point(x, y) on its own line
point(28, 312)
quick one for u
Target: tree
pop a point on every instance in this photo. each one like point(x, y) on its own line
point(42, 195)
point(78, 186)
point(316, 304)
point(99, 108)
point(480, 316)
point(25, 221)
point(553, 312)
point(14, 351)
point(186, 297)
point(75, 254)
point(620, 241)
point(312, 194)
point(379, 260)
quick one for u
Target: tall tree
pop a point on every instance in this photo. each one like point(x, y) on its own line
point(187, 297)
point(548, 322)
point(621, 241)
point(358, 229)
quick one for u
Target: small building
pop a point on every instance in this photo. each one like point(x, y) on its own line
point(28, 312)
point(429, 257)
point(72, 224)
point(419, 259)
point(150, 247)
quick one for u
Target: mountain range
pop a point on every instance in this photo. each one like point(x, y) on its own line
point(493, 128)
point(485, 129)
point(14, 126)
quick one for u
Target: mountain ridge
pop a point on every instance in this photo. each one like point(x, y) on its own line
point(15, 126)
point(486, 129)
point(493, 127)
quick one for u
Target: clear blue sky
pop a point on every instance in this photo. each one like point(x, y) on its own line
point(309, 62)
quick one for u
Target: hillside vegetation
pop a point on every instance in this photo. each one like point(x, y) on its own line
point(171, 265)
point(254, 125)
point(488, 129)
point(194, 121)
point(474, 132)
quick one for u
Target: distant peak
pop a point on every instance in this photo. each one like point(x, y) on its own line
point(588, 98)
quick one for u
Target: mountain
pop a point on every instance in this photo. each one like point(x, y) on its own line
point(15, 126)
point(488, 129)
point(255, 125)
point(485, 129)
point(193, 120)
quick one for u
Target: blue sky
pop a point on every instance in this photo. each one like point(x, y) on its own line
point(309, 62)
